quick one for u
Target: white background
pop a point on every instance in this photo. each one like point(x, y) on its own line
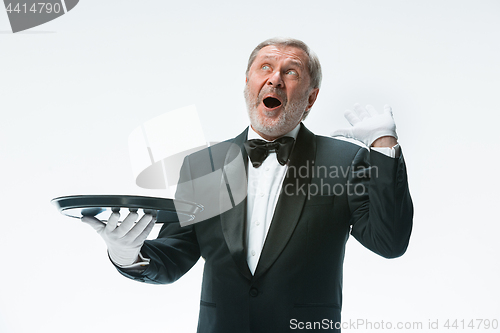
point(73, 89)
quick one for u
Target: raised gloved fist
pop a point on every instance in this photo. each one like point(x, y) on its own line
point(125, 241)
point(368, 124)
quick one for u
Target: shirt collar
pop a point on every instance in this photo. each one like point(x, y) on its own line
point(254, 135)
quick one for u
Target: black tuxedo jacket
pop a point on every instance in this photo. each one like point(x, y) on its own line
point(333, 188)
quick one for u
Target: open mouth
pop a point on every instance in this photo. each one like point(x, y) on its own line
point(271, 102)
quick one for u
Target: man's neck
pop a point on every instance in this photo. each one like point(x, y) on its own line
point(257, 135)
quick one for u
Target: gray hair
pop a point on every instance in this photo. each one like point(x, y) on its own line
point(313, 64)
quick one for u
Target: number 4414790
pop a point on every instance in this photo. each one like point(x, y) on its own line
point(472, 324)
point(40, 7)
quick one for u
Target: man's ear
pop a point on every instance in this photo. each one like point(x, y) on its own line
point(312, 97)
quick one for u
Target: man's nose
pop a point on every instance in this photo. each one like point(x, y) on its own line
point(275, 80)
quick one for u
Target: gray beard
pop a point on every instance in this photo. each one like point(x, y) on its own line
point(287, 119)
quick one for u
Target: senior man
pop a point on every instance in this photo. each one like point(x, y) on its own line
point(273, 259)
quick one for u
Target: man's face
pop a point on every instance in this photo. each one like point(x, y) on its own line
point(277, 90)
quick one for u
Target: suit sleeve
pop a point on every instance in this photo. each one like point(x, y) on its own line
point(380, 203)
point(176, 248)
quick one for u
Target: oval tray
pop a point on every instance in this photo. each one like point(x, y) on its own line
point(101, 206)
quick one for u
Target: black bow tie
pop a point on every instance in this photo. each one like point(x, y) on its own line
point(258, 150)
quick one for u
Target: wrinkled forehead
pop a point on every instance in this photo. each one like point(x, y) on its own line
point(289, 54)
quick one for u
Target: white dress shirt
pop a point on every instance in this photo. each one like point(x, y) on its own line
point(264, 185)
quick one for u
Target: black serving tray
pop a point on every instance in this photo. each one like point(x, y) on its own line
point(101, 206)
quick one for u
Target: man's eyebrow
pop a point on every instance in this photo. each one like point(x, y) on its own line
point(292, 61)
point(297, 63)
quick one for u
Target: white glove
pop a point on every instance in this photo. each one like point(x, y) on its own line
point(124, 242)
point(368, 124)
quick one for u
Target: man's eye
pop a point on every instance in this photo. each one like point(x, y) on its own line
point(266, 67)
point(292, 72)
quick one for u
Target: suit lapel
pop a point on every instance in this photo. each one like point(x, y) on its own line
point(291, 200)
point(233, 193)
